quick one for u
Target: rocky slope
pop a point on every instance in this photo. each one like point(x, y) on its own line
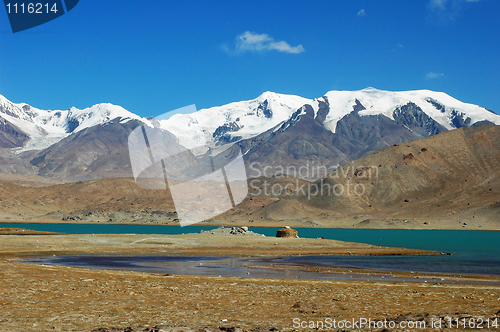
point(272, 130)
point(452, 176)
point(450, 180)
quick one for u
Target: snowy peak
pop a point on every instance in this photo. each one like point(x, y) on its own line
point(234, 121)
point(46, 127)
point(97, 114)
point(272, 129)
point(423, 112)
point(444, 109)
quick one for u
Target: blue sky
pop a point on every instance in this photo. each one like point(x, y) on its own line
point(155, 56)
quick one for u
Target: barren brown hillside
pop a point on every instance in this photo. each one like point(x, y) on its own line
point(105, 200)
point(90, 200)
point(453, 177)
point(451, 180)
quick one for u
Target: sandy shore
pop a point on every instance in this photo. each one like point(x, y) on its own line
point(58, 298)
point(188, 244)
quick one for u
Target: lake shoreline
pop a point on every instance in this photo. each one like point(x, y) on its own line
point(60, 298)
point(220, 243)
point(423, 224)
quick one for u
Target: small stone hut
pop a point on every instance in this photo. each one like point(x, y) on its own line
point(287, 232)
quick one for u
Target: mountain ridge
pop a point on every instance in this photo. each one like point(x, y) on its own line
point(272, 129)
point(272, 109)
point(448, 181)
point(47, 127)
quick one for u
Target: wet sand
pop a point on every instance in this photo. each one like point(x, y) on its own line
point(59, 298)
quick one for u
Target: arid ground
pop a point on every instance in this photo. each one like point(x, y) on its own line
point(58, 298)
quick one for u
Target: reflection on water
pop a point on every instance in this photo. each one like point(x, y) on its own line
point(259, 267)
point(458, 264)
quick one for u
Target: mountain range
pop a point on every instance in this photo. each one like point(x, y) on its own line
point(447, 181)
point(271, 130)
point(432, 161)
point(450, 180)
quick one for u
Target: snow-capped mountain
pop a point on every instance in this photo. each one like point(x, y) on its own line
point(273, 129)
point(445, 110)
point(45, 127)
point(234, 121)
point(243, 120)
point(246, 119)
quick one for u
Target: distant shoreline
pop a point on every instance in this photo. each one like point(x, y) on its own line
point(239, 224)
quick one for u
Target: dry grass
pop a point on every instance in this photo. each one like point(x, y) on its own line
point(57, 298)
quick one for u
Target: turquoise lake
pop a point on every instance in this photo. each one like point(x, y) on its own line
point(471, 251)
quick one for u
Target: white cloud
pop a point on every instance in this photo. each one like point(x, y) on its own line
point(444, 11)
point(438, 4)
point(251, 41)
point(450, 8)
point(432, 75)
point(398, 47)
point(362, 12)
